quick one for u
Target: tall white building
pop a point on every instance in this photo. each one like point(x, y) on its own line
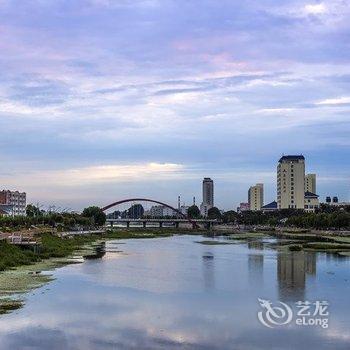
point(208, 195)
point(291, 182)
point(16, 200)
point(256, 197)
point(310, 183)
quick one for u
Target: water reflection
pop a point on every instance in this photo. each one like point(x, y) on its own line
point(172, 293)
point(292, 269)
point(208, 271)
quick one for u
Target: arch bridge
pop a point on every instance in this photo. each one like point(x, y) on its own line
point(182, 218)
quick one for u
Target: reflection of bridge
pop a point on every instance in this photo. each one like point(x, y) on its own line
point(183, 218)
point(195, 223)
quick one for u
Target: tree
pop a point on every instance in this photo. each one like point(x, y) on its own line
point(32, 211)
point(95, 214)
point(229, 216)
point(136, 211)
point(193, 212)
point(214, 213)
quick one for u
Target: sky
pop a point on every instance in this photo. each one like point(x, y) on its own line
point(102, 100)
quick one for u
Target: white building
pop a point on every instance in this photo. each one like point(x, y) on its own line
point(311, 201)
point(17, 200)
point(256, 197)
point(159, 211)
point(310, 183)
point(208, 195)
point(291, 182)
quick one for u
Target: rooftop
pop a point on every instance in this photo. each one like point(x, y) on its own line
point(292, 157)
point(309, 194)
point(272, 205)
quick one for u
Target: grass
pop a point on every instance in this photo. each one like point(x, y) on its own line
point(53, 246)
point(8, 305)
point(248, 235)
point(213, 242)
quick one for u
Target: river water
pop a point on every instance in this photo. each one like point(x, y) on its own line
point(174, 293)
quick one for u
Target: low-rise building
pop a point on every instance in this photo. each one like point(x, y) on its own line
point(243, 207)
point(273, 206)
point(311, 201)
point(17, 200)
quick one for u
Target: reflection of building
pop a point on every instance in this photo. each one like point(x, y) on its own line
point(291, 272)
point(290, 182)
point(208, 195)
point(256, 197)
point(256, 269)
point(16, 200)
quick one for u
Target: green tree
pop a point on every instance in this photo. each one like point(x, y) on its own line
point(214, 213)
point(136, 211)
point(96, 214)
point(229, 216)
point(193, 212)
point(32, 211)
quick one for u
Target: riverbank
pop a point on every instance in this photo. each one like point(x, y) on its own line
point(56, 246)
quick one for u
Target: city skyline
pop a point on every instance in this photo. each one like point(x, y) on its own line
point(101, 100)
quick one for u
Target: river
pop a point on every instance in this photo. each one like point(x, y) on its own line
point(174, 293)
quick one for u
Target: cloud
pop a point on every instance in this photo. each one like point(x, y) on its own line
point(344, 100)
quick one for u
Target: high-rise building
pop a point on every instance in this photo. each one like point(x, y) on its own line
point(310, 183)
point(14, 199)
point(291, 182)
point(256, 197)
point(208, 195)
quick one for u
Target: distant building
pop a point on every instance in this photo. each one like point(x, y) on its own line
point(291, 182)
point(256, 197)
point(335, 202)
point(16, 200)
point(311, 201)
point(310, 183)
point(159, 211)
point(184, 209)
point(269, 207)
point(243, 207)
point(208, 196)
point(6, 210)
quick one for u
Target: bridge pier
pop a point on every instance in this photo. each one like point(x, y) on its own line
point(144, 223)
point(160, 224)
point(128, 224)
point(177, 224)
point(111, 224)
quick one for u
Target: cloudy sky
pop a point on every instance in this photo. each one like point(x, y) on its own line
point(106, 99)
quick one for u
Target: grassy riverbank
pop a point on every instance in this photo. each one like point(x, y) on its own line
point(53, 246)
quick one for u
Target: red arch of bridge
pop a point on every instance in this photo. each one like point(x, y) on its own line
point(152, 201)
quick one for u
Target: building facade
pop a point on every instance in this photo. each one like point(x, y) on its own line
point(208, 195)
point(243, 207)
point(160, 211)
point(311, 202)
point(17, 200)
point(256, 197)
point(310, 183)
point(291, 182)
